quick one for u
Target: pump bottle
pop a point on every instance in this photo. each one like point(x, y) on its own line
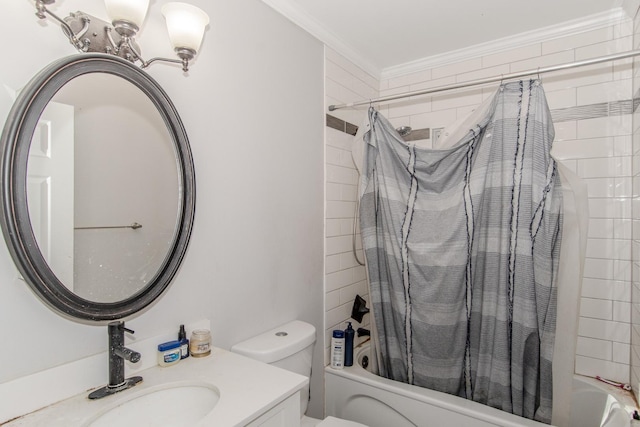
point(349, 334)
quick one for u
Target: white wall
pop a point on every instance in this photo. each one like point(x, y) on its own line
point(252, 105)
point(598, 149)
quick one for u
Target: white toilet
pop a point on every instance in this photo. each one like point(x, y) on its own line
point(290, 347)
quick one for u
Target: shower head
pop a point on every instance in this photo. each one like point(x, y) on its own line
point(404, 130)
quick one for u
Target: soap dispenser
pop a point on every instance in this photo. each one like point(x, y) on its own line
point(349, 334)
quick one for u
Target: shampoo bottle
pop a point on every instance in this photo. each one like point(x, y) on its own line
point(184, 343)
point(349, 333)
point(337, 349)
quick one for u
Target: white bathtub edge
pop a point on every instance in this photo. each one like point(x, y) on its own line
point(466, 407)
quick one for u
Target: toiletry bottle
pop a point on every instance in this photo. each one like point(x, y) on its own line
point(184, 343)
point(337, 349)
point(349, 334)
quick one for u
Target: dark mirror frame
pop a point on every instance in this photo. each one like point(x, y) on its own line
point(14, 219)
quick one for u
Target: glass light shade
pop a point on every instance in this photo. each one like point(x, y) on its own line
point(185, 24)
point(127, 10)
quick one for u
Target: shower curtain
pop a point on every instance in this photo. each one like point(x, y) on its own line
point(462, 247)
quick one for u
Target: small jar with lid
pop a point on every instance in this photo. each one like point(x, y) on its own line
point(169, 353)
point(200, 343)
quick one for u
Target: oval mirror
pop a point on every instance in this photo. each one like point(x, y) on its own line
point(98, 187)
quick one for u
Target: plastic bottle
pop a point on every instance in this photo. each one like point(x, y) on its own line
point(349, 334)
point(337, 349)
point(184, 343)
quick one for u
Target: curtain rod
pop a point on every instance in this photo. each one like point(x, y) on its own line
point(501, 77)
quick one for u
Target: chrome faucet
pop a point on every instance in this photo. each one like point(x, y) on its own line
point(118, 353)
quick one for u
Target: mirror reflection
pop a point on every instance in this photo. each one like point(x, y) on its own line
point(103, 187)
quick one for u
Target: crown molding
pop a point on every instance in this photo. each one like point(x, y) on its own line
point(563, 29)
point(296, 15)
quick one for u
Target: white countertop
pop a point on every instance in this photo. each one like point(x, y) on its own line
point(247, 389)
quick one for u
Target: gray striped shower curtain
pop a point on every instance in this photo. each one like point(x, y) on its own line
point(462, 247)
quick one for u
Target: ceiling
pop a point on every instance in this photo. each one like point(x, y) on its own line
point(382, 34)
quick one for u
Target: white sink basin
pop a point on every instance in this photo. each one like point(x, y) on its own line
point(173, 404)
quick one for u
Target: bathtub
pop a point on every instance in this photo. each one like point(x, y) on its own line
point(355, 394)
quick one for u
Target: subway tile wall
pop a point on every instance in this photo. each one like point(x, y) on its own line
point(595, 141)
point(635, 290)
point(344, 277)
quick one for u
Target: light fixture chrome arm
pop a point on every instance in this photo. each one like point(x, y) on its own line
point(184, 54)
point(110, 38)
point(75, 39)
point(184, 62)
point(90, 34)
point(135, 55)
point(125, 48)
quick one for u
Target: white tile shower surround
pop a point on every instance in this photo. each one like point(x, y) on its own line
point(635, 247)
point(344, 277)
point(600, 150)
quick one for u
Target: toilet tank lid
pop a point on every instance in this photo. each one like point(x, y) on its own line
point(278, 343)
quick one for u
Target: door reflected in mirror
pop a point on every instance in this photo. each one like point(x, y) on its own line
point(102, 162)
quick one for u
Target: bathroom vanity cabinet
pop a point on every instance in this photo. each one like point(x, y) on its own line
point(285, 414)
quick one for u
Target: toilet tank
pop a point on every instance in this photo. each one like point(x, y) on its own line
point(289, 347)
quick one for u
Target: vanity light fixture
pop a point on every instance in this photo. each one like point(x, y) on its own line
point(185, 24)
